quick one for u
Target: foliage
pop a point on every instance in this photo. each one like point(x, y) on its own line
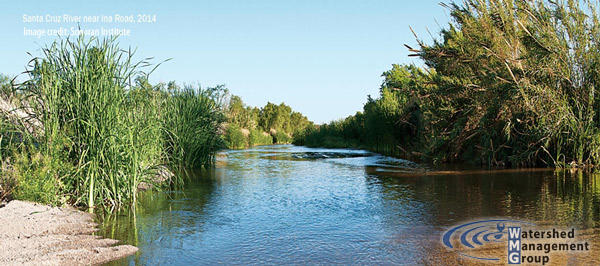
point(386, 124)
point(105, 128)
point(37, 176)
point(192, 118)
point(510, 83)
point(9, 136)
point(258, 137)
point(527, 95)
point(281, 137)
point(235, 138)
point(280, 121)
point(5, 87)
point(7, 183)
point(79, 90)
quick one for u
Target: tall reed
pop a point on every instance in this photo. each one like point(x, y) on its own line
point(192, 117)
point(78, 89)
point(104, 127)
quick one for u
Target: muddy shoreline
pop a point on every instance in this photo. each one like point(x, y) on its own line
point(36, 234)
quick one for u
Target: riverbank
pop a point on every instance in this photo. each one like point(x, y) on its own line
point(41, 235)
point(96, 137)
point(504, 84)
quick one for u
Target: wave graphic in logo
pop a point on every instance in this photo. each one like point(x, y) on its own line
point(478, 233)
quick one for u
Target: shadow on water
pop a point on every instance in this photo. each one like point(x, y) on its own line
point(542, 195)
point(284, 204)
point(159, 219)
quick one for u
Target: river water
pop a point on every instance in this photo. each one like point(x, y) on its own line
point(285, 204)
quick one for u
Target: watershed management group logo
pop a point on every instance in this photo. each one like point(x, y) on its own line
point(521, 241)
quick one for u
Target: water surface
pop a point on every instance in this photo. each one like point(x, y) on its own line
point(284, 204)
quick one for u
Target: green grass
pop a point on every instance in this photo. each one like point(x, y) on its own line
point(80, 91)
point(38, 176)
point(105, 128)
point(192, 118)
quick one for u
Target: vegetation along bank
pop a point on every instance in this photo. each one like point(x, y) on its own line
point(272, 124)
point(507, 83)
point(82, 126)
point(86, 128)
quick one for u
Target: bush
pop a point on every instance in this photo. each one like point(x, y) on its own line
point(281, 137)
point(272, 118)
point(115, 133)
point(509, 83)
point(80, 91)
point(234, 137)
point(37, 176)
point(258, 137)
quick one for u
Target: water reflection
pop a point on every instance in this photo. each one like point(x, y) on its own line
point(160, 223)
point(544, 196)
point(295, 205)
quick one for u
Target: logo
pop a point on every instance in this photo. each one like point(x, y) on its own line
point(479, 233)
point(525, 243)
point(514, 245)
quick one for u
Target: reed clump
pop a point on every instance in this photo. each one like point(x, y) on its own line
point(105, 129)
point(192, 117)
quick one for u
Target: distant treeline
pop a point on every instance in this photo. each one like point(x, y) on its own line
point(508, 83)
point(272, 124)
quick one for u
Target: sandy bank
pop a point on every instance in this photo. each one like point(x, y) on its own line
point(36, 234)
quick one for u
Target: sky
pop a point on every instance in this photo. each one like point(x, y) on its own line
point(320, 57)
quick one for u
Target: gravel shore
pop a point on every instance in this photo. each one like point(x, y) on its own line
point(35, 234)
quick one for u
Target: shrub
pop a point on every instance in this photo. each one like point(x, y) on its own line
point(281, 137)
point(234, 137)
point(38, 177)
point(509, 83)
point(258, 137)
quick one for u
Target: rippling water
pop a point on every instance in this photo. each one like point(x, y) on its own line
point(284, 204)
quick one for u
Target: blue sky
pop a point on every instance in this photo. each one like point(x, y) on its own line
point(321, 57)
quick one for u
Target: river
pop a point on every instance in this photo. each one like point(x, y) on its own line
point(285, 204)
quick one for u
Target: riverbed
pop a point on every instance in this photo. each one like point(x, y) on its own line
point(285, 204)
